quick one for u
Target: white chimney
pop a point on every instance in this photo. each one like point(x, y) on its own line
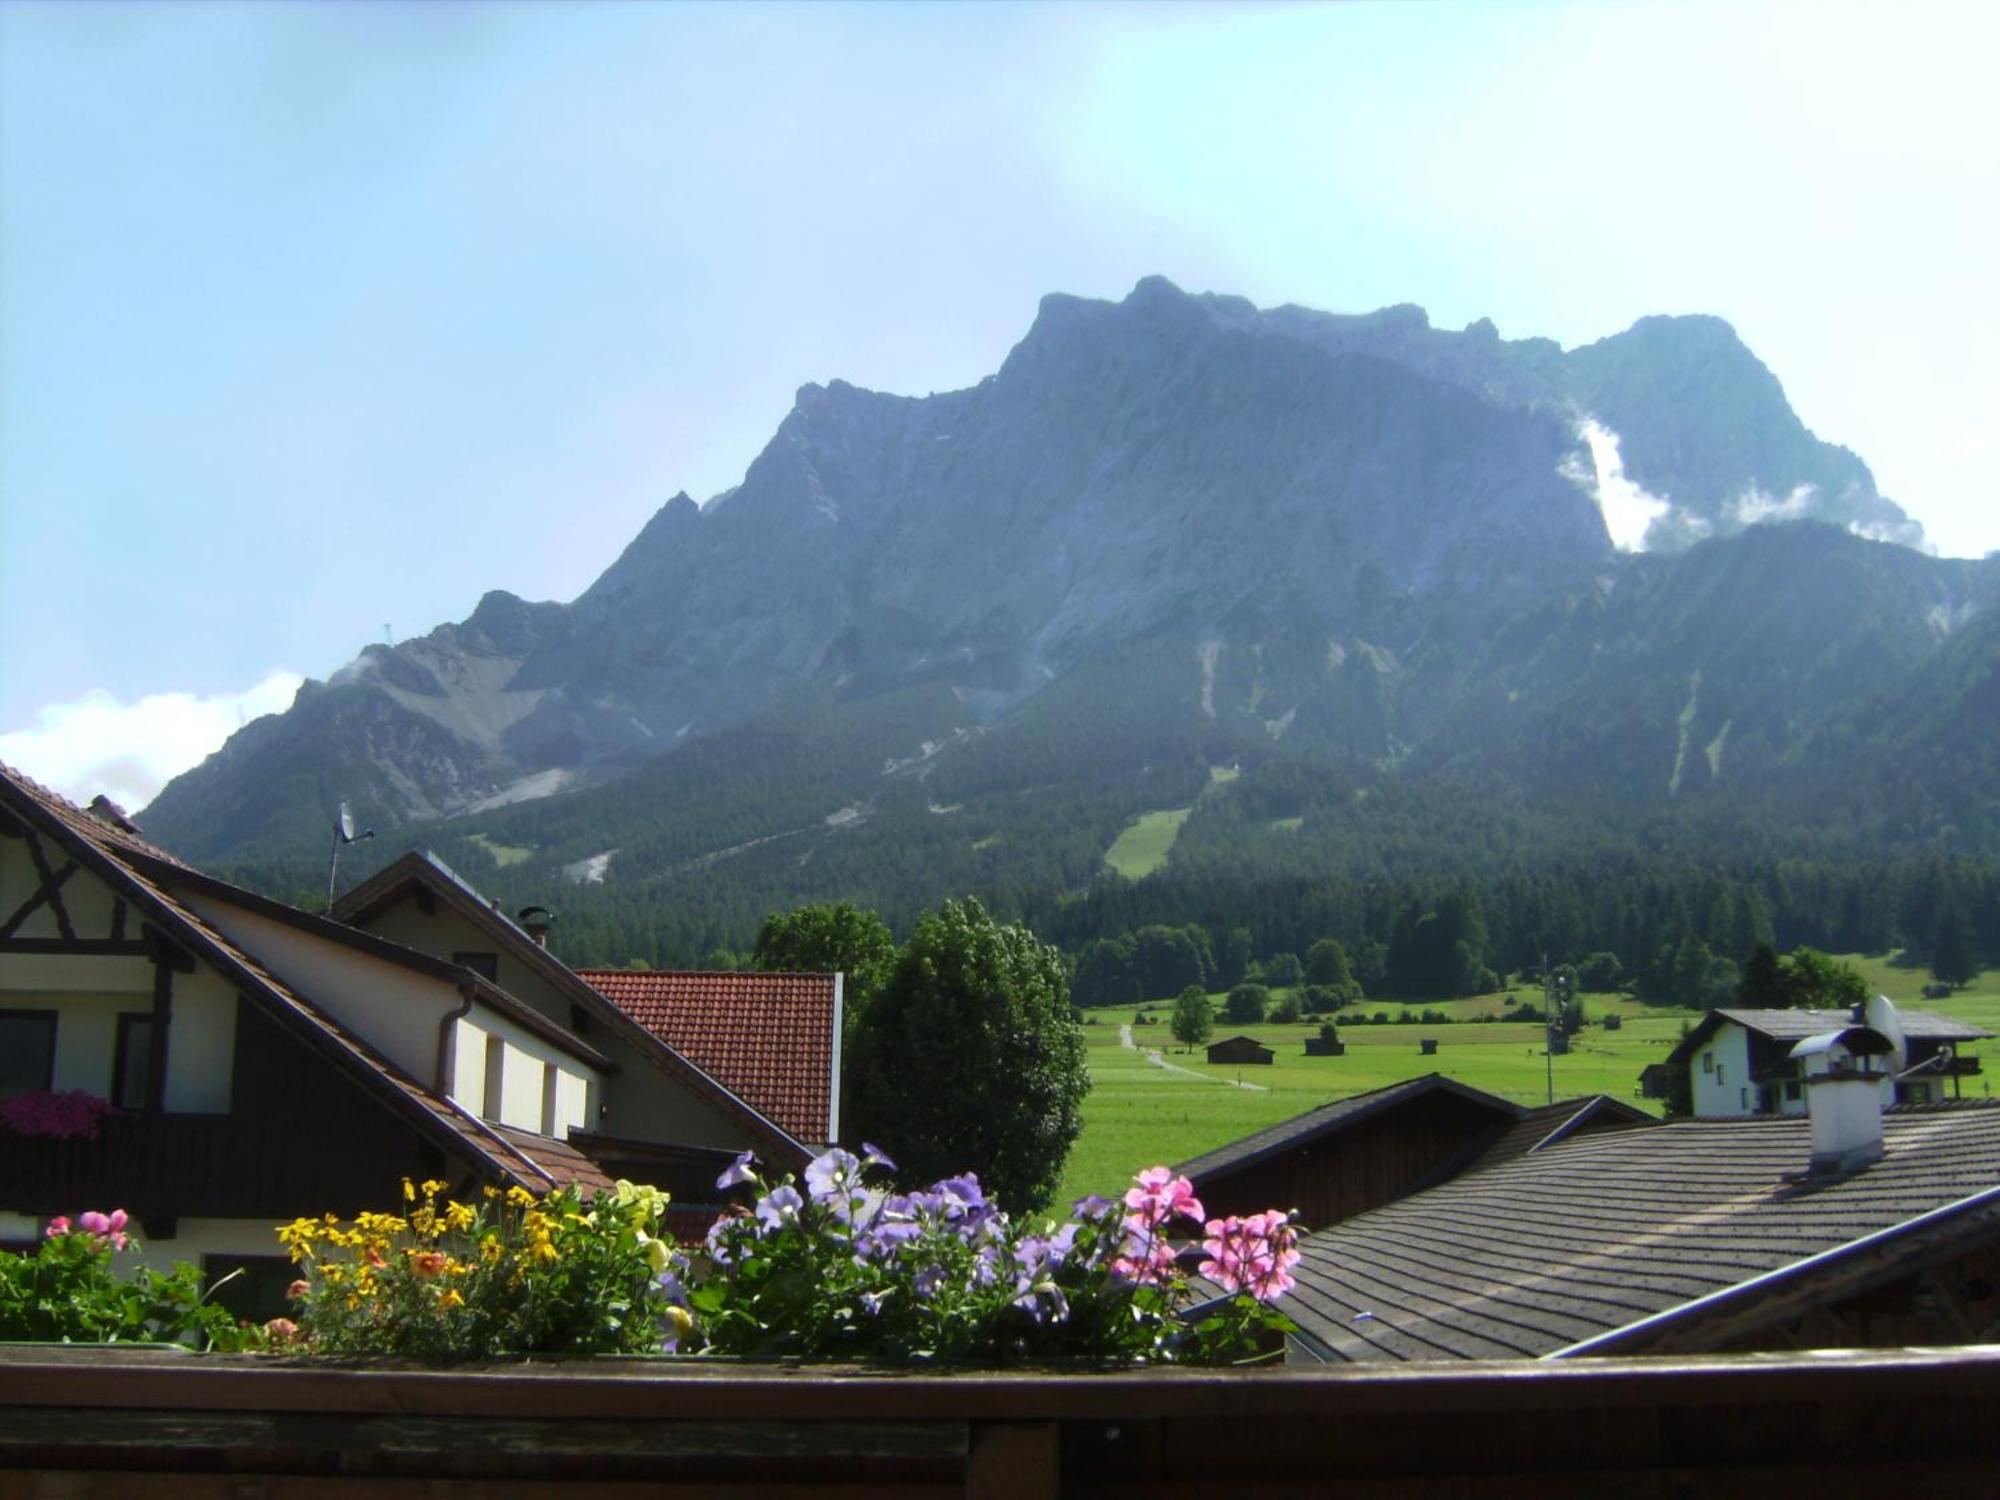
point(1843, 1081)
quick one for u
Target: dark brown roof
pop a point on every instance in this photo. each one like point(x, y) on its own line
point(1590, 1238)
point(559, 1161)
point(422, 870)
point(107, 851)
point(772, 1038)
point(1335, 1116)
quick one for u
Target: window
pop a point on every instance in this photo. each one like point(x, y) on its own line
point(1792, 1092)
point(549, 1098)
point(1708, 1062)
point(1743, 1098)
point(132, 1065)
point(1718, 1077)
point(27, 1051)
point(485, 965)
point(496, 1074)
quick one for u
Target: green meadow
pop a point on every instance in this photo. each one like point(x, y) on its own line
point(1139, 1114)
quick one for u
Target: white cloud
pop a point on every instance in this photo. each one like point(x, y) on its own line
point(1628, 509)
point(1755, 505)
point(128, 751)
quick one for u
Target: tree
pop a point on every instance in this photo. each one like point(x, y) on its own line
point(1815, 982)
point(1951, 955)
point(1326, 963)
point(1194, 1017)
point(1283, 970)
point(1762, 986)
point(969, 1058)
point(1246, 1003)
point(842, 939)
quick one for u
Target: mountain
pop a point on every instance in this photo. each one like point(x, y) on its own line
point(1178, 554)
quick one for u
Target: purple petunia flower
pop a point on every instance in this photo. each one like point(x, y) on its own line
point(737, 1171)
point(875, 1156)
point(832, 1174)
point(1092, 1206)
point(778, 1208)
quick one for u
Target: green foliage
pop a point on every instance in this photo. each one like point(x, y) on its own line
point(970, 1056)
point(68, 1290)
point(1763, 984)
point(1951, 954)
point(1327, 964)
point(826, 939)
point(1194, 1017)
point(1246, 1004)
point(1813, 981)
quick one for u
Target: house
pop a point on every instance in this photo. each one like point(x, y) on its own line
point(1739, 1063)
point(1357, 1153)
point(1842, 1228)
point(258, 1068)
point(1240, 1049)
point(657, 1093)
point(259, 1063)
point(1656, 1081)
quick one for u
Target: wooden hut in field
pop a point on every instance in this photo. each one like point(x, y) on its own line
point(1240, 1049)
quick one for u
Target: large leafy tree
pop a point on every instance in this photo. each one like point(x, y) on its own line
point(1951, 954)
point(1194, 1017)
point(970, 1058)
point(843, 939)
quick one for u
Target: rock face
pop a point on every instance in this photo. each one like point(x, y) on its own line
point(1356, 500)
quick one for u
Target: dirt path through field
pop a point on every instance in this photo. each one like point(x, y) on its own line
point(1153, 1056)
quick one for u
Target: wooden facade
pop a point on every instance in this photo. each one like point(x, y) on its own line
point(92, 1424)
point(300, 1136)
point(1362, 1165)
point(1240, 1049)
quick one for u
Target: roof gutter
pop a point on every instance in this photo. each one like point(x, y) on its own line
point(447, 1050)
point(1617, 1340)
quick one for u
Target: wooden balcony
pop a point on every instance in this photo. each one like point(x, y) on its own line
point(88, 1423)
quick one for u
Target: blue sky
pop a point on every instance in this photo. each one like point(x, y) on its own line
point(321, 320)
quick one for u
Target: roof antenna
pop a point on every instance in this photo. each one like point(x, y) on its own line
point(343, 833)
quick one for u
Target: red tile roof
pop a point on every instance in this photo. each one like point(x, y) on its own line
point(772, 1039)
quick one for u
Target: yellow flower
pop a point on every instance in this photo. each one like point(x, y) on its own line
point(520, 1197)
point(457, 1216)
point(409, 1191)
point(542, 1250)
point(490, 1193)
point(683, 1321)
point(452, 1297)
point(491, 1249)
point(432, 1187)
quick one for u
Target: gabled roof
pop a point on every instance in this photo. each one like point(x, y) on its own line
point(774, 1039)
point(108, 852)
point(1797, 1025)
point(1629, 1241)
point(1328, 1119)
point(1547, 1125)
point(175, 876)
point(420, 870)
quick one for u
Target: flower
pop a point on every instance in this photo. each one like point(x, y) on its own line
point(1160, 1195)
point(875, 1156)
point(298, 1289)
point(451, 1297)
point(778, 1208)
point(832, 1174)
point(281, 1330)
point(737, 1171)
point(58, 1227)
point(1253, 1254)
point(427, 1262)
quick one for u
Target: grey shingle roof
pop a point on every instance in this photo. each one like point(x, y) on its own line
point(1597, 1233)
point(1797, 1025)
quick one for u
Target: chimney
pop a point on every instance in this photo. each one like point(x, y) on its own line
point(536, 920)
point(1843, 1080)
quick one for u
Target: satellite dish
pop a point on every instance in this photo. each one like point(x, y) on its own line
point(346, 825)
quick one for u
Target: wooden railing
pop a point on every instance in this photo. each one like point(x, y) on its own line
point(85, 1423)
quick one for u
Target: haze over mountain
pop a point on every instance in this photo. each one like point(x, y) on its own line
point(1174, 552)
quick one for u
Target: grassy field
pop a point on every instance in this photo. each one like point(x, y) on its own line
point(1138, 1114)
point(1142, 847)
point(503, 854)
